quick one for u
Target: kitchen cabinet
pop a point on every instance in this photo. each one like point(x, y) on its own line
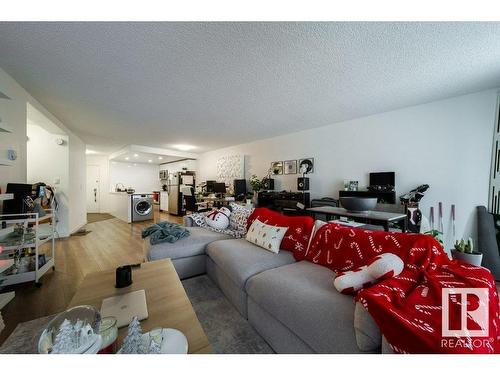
point(163, 200)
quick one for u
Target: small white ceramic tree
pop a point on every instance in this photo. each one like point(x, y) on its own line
point(154, 347)
point(133, 343)
point(64, 341)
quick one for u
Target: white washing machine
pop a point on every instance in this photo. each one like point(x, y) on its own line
point(142, 207)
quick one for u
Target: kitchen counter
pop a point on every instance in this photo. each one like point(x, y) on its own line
point(119, 205)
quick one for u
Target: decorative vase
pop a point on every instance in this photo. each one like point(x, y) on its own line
point(255, 199)
point(474, 258)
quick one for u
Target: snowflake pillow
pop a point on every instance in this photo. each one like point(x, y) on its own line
point(199, 219)
point(239, 217)
point(268, 237)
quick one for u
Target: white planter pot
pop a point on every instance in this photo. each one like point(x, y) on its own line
point(475, 258)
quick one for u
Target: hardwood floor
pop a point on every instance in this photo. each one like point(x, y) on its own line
point(111, 243)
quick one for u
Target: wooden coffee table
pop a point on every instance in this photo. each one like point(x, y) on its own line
point(168, 304)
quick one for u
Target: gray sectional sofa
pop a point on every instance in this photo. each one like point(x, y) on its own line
point(292, 305)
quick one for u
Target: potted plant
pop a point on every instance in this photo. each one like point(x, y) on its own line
point(464, 251)
point(256, 185)
point(436, 234)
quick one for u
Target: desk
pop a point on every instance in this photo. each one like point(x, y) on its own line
point(217, 202)
point(369, 217)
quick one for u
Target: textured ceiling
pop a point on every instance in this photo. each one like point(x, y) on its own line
point(218, 84)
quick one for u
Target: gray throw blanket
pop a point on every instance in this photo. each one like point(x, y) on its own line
point(164, 232)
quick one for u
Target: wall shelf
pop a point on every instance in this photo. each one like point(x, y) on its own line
point(6, 162)
point(4, 128)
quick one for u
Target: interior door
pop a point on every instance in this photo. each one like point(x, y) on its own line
point(92, 188)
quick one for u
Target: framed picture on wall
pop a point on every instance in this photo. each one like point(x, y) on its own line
point(306, 166)
point(277, 167)
point(290, 166)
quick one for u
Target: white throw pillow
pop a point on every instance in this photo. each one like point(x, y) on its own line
point(218, 219)
point(266, 236)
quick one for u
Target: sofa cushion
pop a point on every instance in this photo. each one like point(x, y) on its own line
point(240, 259)
point(368, 335)
point(302, 297)
point(190, 246)
point(299, 227)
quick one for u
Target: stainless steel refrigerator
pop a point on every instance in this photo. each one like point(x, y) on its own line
point(176, 182)
point(174, 194)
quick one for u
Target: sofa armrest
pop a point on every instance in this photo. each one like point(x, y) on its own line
point(189, 222)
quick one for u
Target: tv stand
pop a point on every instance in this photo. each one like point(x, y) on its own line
point(388, 197)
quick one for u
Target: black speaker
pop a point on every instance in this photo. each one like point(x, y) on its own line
point(268, 184)
point(240, 187)
point(303, 183)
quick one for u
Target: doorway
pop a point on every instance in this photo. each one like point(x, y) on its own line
point(93, 198)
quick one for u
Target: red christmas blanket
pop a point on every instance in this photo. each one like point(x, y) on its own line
point(435, 305)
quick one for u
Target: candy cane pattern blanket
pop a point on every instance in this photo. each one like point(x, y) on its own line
point(408, 308)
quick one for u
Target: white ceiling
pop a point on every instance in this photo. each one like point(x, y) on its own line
point(218, 84)
point(137, 154)
point(144, 158)
point(36, 118)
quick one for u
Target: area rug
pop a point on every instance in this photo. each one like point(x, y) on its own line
point(227, 331)
point(93, 218)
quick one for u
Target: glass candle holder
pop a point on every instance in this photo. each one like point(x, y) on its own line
point(109, 334)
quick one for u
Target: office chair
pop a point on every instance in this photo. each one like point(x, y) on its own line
point(190, 203)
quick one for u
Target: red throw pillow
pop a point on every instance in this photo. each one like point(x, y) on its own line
point(299, 228)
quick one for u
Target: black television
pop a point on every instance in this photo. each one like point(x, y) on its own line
point(220, 187)
point(16, 205)
point(383, 179)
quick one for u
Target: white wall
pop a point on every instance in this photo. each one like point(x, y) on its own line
point(446, 144)
point(49, 162)
point(78, 183)
point(178, 166)
point(14, 113)
point(144, 178)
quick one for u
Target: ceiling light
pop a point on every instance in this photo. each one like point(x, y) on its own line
point(136, 155)
point(184, 147)
point(90, 152)
point(135, 165)
point(150, 161)
point(127, 158)
point(160, 158)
